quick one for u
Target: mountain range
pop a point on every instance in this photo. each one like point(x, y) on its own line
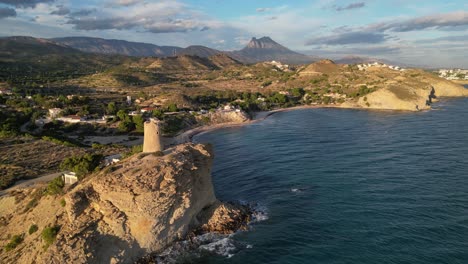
point(257, 50)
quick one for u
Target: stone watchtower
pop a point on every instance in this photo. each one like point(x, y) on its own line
point(152, 140)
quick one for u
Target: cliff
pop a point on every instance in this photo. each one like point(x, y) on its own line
point(138, 207)
point(220, 117)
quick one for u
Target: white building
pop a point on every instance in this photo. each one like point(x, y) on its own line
point(69, 177)
point(54, 112)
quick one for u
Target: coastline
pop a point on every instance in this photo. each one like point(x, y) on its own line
point(187, 136)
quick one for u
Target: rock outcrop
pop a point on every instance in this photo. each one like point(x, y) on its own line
point(231, 116)
point(143, 206)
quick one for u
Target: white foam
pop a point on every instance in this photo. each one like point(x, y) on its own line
point(223, 247)
point(260, 213)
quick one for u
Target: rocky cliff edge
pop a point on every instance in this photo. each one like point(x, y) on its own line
point(142, 206)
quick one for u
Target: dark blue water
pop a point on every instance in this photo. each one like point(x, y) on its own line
point(372, 187)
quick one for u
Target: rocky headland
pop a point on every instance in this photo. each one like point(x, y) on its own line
point(413, 90)
point(138, 207)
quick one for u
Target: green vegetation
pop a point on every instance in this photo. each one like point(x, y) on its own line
point(49, 234)
point(363, 90)
point(172, 108)
point(14, 242)
point(55, 186)
point(82, 165)
point(63, 202)
point(135, 149)
point(32, 229)
point(59, 141)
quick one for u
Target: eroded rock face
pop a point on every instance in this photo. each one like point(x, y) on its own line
point(219, 117)
point(143, 206)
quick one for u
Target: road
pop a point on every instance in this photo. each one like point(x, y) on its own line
point(31, 182)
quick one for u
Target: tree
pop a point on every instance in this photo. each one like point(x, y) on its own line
point(297, 92)
point(111, 108)
point(122, 115)
point(139, 123)
point(55, 186)
point(81, 165)
point(157, 113)
point(172, 108)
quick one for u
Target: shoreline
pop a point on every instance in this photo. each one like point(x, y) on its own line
point(188, 135)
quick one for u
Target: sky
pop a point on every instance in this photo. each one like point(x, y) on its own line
point(420, 32)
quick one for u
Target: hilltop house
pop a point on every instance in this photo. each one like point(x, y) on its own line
point(54, 112)
point(69, 177)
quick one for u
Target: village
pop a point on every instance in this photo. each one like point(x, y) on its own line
point(453, 74)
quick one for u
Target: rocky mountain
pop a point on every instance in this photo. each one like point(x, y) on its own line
point(266, 49)
point(115, 46)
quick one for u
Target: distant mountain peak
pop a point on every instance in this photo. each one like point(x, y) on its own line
point(264, 43)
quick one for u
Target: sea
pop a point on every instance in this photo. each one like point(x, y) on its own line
point(347, 186)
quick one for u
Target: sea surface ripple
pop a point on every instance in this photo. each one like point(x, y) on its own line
point(349, 186)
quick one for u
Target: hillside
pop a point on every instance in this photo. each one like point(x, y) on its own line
point(41, 59)
point(200, 51)
point(115, 46)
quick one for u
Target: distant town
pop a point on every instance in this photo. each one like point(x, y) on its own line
point(453, 74)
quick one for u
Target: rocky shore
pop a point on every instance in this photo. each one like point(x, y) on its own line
point(138, 207)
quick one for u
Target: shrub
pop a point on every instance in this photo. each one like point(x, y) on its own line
point(62, 202)
point(81, 165)
point(49, 234)
point(32, 229)
point(172, 108)
point(55, 186)
point(14, 242)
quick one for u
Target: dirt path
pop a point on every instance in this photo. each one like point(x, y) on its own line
point(31, 182)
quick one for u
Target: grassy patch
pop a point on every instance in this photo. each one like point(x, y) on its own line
point(14, 242)
point(49, 234)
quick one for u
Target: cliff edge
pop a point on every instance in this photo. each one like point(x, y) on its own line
point(139, 206)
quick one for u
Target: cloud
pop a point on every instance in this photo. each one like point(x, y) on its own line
point(7, 12)
point(462, 38)
point(446, 21)
point(128, 2)
point(25, 3)
point(263, 9)
point(144, 24)
point(117, 3)
point(82, 12)
point(348, 38)
point(350, 6)
point(172, 17)
point(381, 32)
point(60, 11)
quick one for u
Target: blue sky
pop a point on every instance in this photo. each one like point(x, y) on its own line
point(424, 32)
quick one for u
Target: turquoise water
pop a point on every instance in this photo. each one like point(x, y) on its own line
point(349, 186)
